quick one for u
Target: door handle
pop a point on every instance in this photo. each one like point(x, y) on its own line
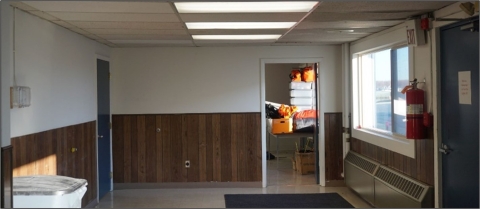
point(444, 149)
point(100, 136)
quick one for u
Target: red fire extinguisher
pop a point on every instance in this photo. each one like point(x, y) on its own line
point(415, 112)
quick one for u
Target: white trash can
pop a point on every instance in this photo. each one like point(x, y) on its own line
point(48, 192)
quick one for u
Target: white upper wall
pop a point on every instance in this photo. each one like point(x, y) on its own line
point(207, 79)
point(59, 66)
point(5, 74)
point(277, 82)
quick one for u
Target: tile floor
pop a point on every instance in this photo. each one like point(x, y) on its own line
point(281, 179)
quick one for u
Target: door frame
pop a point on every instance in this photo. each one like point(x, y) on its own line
point(321, 131)
point(104, 58)
point(437, 136)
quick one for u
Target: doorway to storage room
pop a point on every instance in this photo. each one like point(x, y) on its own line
point(291, 123)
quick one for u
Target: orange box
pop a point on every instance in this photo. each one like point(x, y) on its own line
point(280, 126)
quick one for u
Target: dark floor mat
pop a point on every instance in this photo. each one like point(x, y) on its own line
point(318, 200)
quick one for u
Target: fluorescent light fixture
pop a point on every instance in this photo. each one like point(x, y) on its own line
point(236, 37)
point(244, 7)
point(239, 25)
point(151, 41)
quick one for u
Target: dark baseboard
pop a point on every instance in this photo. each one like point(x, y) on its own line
point(335, 183)
point(121, 186)
point(92, 204)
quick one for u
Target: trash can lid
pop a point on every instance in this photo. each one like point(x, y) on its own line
point(46, 185)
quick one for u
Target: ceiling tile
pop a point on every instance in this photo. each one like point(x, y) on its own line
point(230, 42)
point(319, 40)
point(330, 31)
point(155, 24)
point(153, 45)
point(101, 6)
point(44, 15)
point(243, 17)
point(146, 37)
point(216, 44)
point(321, 37)
point(347, 24)
point(79, 30)
point(136, 32)
point(129, 25)
point(22, 6)
point(63, 24)
point(116, 17)
point(103, 41)
point(307, 43)
point(329, 16)
point(151, 41)
point(237, 31)
point(380, 6)
point(93, 36)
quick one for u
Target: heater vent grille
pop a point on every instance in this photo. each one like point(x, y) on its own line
point(405, 185)
point(361, 163)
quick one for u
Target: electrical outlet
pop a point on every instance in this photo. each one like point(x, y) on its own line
point(187, 163)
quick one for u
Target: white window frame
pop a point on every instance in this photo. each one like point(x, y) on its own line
point(393, 142)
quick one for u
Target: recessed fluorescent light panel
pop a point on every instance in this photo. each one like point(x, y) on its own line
point(236, 37)
point(151, 41)
point(239, 25)
point(244, 7)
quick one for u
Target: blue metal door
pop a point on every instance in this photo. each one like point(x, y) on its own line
point(459, 133)
point(104, 145)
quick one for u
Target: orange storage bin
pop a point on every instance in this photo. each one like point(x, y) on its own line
point(296, 75)
point(308, 75)
point(280, 126)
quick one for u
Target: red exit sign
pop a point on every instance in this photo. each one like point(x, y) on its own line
point(411, 36)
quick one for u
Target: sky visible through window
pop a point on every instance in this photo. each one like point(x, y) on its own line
point(378, 65)
point(382, 64)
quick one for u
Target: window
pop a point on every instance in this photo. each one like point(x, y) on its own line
point(380, 78)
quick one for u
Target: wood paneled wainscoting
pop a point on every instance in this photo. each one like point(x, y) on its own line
point(50, 153)
point(7, 178)
point(153, 148)
point(420, 168)
point(333, 146)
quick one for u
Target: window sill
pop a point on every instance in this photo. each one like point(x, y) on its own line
point(389, 142)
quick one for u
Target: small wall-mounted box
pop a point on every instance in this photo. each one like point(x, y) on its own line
point(415, 34)
point(19, 96)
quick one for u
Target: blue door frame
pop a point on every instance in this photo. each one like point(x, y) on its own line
point(103, 127)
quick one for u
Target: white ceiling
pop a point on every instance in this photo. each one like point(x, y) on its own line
point(149, 24)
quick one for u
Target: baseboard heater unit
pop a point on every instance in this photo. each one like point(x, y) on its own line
point(384, 187)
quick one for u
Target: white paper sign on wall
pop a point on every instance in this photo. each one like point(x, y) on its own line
point(464, 87)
